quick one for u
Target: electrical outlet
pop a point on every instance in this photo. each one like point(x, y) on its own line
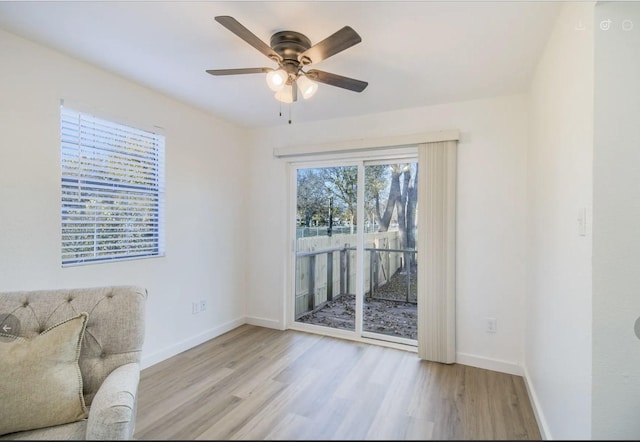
point(198, 307)
point(491, 325)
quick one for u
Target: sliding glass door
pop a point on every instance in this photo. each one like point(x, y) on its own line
point(325, 246)
point(355, 257)
point(390, 254)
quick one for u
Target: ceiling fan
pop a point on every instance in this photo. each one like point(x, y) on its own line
point(293, 51)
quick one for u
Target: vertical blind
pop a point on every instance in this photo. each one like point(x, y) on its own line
point(112, 190)
point(437, 245)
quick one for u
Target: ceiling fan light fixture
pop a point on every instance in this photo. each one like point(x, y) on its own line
point(277, 79)
point(292, 51)
point(285, 94)
point(307, 87)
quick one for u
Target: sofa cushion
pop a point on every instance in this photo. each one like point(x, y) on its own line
point(72, 431)
point(40, 379)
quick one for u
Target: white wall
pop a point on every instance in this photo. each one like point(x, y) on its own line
point(205, 174)
point(616, 235)
point(559, 184)
point(491, 216)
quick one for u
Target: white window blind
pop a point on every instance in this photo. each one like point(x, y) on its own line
point(112, 190)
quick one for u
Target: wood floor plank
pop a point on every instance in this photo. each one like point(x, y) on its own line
point(523, 411)
point(246, 419)
point(393, 421)
point(259, 423)
point(254, 383)
point(288, 428)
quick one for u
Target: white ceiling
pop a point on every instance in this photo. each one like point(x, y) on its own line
point(412, 53)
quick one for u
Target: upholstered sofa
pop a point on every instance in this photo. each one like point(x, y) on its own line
point(108, 325)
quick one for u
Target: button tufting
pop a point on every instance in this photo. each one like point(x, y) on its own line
point(25, 304)
point(69, 299)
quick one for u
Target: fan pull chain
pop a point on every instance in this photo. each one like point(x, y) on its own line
point(280, 111)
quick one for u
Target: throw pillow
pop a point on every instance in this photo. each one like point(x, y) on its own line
point(40, 380)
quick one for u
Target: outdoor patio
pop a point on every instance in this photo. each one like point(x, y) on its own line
point(387, 313)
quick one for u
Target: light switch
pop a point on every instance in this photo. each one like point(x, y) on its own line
point(582, 221)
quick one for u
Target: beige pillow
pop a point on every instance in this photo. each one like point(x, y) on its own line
point(40, 380)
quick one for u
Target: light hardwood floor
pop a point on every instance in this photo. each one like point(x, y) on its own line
point(257, 383)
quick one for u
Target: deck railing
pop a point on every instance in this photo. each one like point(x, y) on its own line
point(381, 267)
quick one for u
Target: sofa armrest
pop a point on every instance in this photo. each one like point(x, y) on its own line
point(112, 415)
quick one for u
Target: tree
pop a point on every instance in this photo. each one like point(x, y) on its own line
point(342, 183)
point(312, 195)
point(376, 180)
point(411, 214)
point(390, 190)
point(402, 197)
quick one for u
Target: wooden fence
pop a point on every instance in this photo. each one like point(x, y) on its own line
point(325, 266)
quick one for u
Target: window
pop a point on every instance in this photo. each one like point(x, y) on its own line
point(112, 190)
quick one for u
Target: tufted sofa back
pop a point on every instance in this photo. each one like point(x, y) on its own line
point(115, 328)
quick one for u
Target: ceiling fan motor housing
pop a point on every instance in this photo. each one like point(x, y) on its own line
point(289, 45)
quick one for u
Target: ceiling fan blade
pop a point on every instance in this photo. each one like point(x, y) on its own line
point(238, 71)
point(336, 42)
point(337, 80)
point(234, 26)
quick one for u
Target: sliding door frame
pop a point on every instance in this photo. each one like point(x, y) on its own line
point(359, 159)
point(441, 346)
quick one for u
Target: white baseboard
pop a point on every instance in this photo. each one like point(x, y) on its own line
point(489, 364)
point(537, 410)
point(166, 353)
point(262, 322)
